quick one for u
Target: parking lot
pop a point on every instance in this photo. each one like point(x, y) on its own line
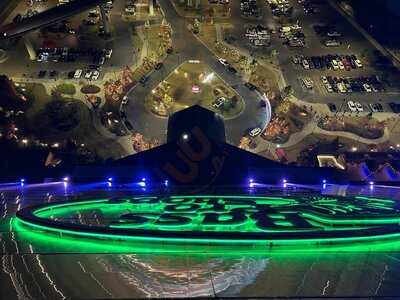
point(75, 49)
point(335, 58)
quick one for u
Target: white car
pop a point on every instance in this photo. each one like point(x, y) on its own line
point(308, 83)
point(223, 61)
point(367, 87)
point(78, 74)
point(358, 63)
point(329, 88)
point(352, 106)
point(324, 79)
point(334, 64)
point(130, 9)
point(341, 87)
point(124, 100)
point(359, 106)
point(255, 131)
point(88, 74)
point(341, 65)
point(108, 53)
point(95, 75)
point(306, 65)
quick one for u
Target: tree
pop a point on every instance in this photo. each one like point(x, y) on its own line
point(287, 91)
point(244, 143)
point(62, 115)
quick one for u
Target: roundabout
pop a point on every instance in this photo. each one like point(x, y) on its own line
point(194, 83)
point(187, 48)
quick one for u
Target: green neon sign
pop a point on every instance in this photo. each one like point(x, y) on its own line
point(298, 221)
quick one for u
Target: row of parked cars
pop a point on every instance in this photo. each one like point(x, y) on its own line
point(293, 35)
point(98, 56)
point(352, 85)
point(331, 62)
point(355, 106)
point(249, 8)
point(280, 7)
point(92, 73)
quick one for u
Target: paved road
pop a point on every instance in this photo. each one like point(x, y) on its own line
point(187, 47)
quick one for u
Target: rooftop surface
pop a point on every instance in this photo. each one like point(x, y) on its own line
point(38, 264)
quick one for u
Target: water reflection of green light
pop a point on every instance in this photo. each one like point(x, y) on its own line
point(62, 242)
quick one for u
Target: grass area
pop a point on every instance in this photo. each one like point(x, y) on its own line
point(176, 92)
point(83, 133)
point(66, 88)
point(39, 97)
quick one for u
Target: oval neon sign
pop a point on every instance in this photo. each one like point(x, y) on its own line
point(273, 221)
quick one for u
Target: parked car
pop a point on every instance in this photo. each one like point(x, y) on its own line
point(255, 131)
point(359, 107)
point(42, 74)
point(223, 62)
point(95, 75)
point(332, 107)
point(352, 106)
point(158, 66)
point(78, 74)
point(232, 70)
point(143, 80)
point(250, 86)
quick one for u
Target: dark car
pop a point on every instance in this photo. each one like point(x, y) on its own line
point(158, 66)
point(332, 107)
point(143, 80)
point(71, 74)
point(395, 107)
point(232, 70)
point(250, 86)
point(42, 74)
point(53, 73)
point(170, 50)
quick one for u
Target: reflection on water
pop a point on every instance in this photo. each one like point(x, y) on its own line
point(169, 277)
point(47, 269)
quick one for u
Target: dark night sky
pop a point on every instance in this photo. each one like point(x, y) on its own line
point(394, 6)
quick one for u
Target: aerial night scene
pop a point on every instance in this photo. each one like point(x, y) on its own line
point(228, 149)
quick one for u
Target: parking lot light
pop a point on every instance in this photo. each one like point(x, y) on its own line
point(185, 136)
